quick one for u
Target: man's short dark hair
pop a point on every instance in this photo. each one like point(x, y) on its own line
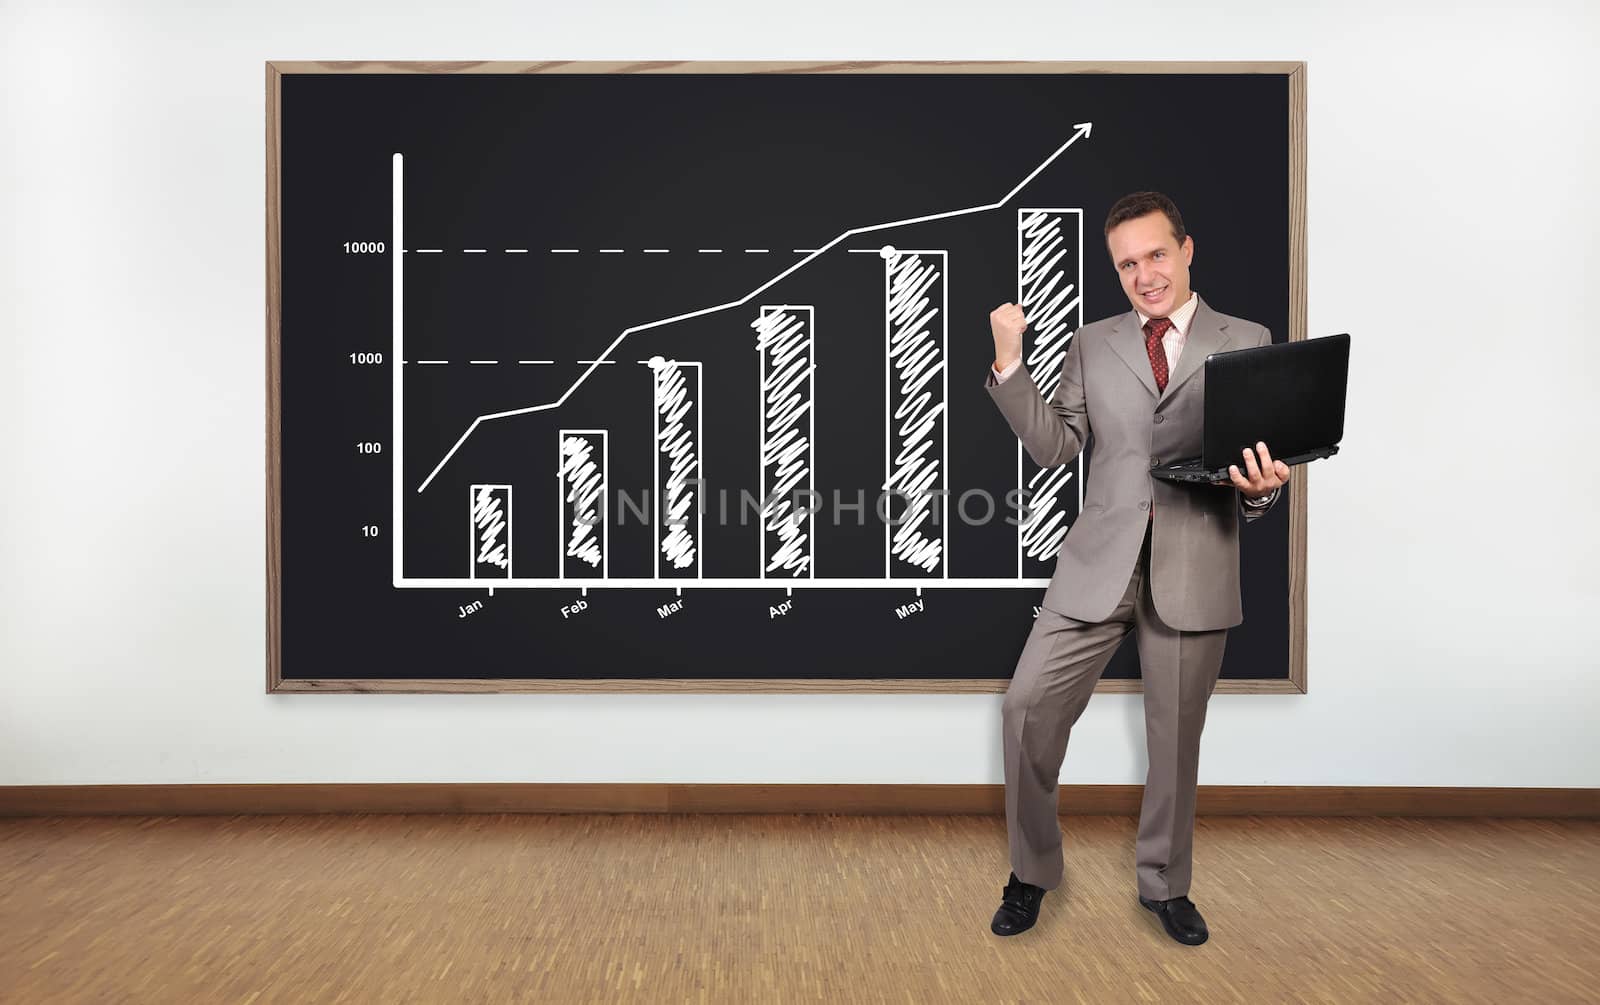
point(1137, 204)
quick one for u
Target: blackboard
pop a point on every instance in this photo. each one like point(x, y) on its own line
point(593, 377)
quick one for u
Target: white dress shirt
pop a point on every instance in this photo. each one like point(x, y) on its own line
point(1172, 342)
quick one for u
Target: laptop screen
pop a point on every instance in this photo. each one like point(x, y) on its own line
point(1289, 395)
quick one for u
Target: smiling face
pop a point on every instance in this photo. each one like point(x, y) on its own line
point(1152, 265)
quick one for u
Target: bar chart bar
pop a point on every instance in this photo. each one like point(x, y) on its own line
point(1049, 291)
point(786, 343)
point(583, 486)
point(490, 513)
point(916, 434)
point(678, 512)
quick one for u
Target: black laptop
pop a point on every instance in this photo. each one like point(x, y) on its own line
point(1289, 395)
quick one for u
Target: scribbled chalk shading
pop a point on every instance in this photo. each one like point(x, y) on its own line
point(677, 435)
point(785, 337)
point(916, 439)
point(490, 513)
point(582, 488)
point(1049, 291)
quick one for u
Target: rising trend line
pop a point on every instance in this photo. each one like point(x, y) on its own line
point(1081, 130)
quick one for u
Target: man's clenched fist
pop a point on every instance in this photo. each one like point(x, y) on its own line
point(1007, 323)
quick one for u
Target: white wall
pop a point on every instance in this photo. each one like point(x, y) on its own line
point(1453, 223)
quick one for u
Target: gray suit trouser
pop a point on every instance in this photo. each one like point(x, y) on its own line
point(1057, 672)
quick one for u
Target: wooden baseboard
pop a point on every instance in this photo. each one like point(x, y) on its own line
point(584, 797)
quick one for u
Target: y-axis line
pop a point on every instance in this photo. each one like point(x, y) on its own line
point(397, 255)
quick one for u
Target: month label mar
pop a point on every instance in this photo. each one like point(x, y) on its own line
point(668, 610)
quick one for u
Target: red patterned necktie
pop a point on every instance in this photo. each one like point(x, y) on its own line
point(1154, 329)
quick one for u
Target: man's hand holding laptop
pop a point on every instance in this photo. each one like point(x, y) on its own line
point(1257, 479)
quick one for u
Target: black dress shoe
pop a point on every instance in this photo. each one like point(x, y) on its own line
point(1180, 918)
point(1019, 907)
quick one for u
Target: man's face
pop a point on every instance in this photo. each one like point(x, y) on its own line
point(1153, 266)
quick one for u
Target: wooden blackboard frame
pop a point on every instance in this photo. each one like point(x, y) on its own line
point(1293, 72)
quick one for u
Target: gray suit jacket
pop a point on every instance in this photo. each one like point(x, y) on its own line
point(1107, 386)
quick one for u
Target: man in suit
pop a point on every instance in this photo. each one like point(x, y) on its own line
point(1146, 555)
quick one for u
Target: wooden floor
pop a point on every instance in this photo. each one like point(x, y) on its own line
point(782, 908)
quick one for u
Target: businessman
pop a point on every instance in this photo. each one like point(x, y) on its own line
point(1157, 558)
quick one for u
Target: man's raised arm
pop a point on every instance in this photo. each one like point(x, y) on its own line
point(1052, 432)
